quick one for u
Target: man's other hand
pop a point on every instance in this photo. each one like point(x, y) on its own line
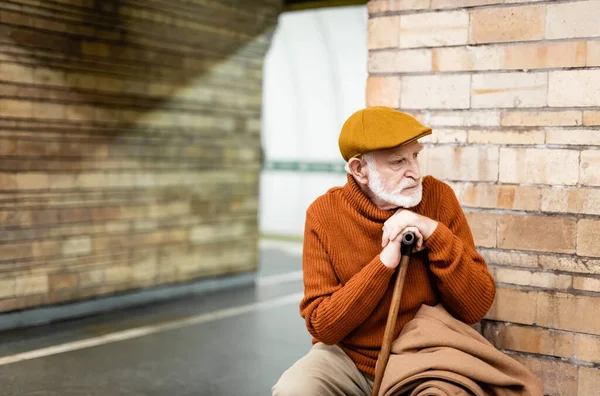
point(404, 220)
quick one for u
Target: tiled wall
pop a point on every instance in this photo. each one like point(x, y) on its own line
point(129, 143)
point(512, 90)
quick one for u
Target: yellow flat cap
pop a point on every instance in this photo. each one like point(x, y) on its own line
point(378, 128)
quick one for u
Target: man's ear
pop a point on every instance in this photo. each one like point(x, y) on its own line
point(358, 168)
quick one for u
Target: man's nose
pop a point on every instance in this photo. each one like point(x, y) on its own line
point(414, 171)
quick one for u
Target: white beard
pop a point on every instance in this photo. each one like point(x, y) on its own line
point(395, 197)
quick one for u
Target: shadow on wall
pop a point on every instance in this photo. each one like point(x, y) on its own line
point(129, 143)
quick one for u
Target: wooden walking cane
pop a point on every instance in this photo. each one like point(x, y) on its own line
point(408, 241)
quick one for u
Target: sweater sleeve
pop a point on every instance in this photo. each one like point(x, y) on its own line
point(462, 277)
point(333, 310)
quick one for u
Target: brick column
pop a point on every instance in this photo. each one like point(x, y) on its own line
point(129, 144)
point(512, 90)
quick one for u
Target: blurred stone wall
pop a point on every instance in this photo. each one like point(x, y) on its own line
point(512, 90)
point(129, 143)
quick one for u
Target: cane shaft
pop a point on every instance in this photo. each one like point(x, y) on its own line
point(390, 325)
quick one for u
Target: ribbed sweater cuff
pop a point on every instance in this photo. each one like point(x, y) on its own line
point(439, 243)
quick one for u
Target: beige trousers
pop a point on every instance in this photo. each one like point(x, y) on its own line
point(325, 370)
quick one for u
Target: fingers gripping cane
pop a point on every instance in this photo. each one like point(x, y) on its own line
point(408, 241)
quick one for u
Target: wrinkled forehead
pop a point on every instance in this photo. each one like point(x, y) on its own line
point(406, 150)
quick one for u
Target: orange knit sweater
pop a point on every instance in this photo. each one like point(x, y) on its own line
point(348, 290)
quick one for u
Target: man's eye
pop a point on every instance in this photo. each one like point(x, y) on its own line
point(416, 155)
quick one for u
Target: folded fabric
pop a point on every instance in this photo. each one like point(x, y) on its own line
point(438, 355)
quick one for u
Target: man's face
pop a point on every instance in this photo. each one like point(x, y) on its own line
point(394, 175)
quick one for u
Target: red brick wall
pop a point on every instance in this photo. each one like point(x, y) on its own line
point(129, 144)
point(512, 90)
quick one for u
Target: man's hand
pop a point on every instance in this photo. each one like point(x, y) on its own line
point(404, 220)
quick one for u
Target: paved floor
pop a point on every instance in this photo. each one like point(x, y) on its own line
point(234, 342)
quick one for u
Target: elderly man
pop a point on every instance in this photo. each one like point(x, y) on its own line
point(352, 247)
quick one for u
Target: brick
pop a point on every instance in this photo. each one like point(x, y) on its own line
point(587, 284)
point(80, 113)
point(518, 198)
point(510, 57)
point(214, 232)
point(383, 32)
point(95, 48)
point(483, 195)
point(593, 53)
point(15, 73)
point(46, 248)
point(558, 377)
point(591, 118)
point(462, 3)
point(570, 264)
point(109, 84)
point(456, 163)
point(571, 200)
point(513, 305)
point(91, 180)
point(587, 348)
point(501, 137)
point(117, 274)
point(436, 91)
point(468, 58)
point(537, 233)
point(31, 284)
point(462, 118)
point(589, 381)
point(8, 181)
point(545, 55)
point(145, 265)
point(586, 137)
point(539, 166)
point(47, 76)
point(32, 181)
point(77, 245)
point(91, 278)
point(15, 251)
point(590, 168)
point(510, 259)
point(541, 118)
point(544, 280)
point(81, 81)
point(62, 181)
point(588, 235)
point(8, 147)
point(446, 136)
point(434, 29)
point(577, 19)
point(51, 111)
point(574, 88)
point(15, 218)
point(396, 5)
point(483, 227)
point(509, 90)
point(383, 91)
point(16, 108)
point(507, 24)
point(417, 60)
point(7, 288)
point(531, 340)
point(63, 280)
point(568, 312)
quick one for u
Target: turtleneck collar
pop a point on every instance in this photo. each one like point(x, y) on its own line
point(363, 204)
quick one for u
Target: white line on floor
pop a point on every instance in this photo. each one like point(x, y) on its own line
point(145, 330)
point(280, 278)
